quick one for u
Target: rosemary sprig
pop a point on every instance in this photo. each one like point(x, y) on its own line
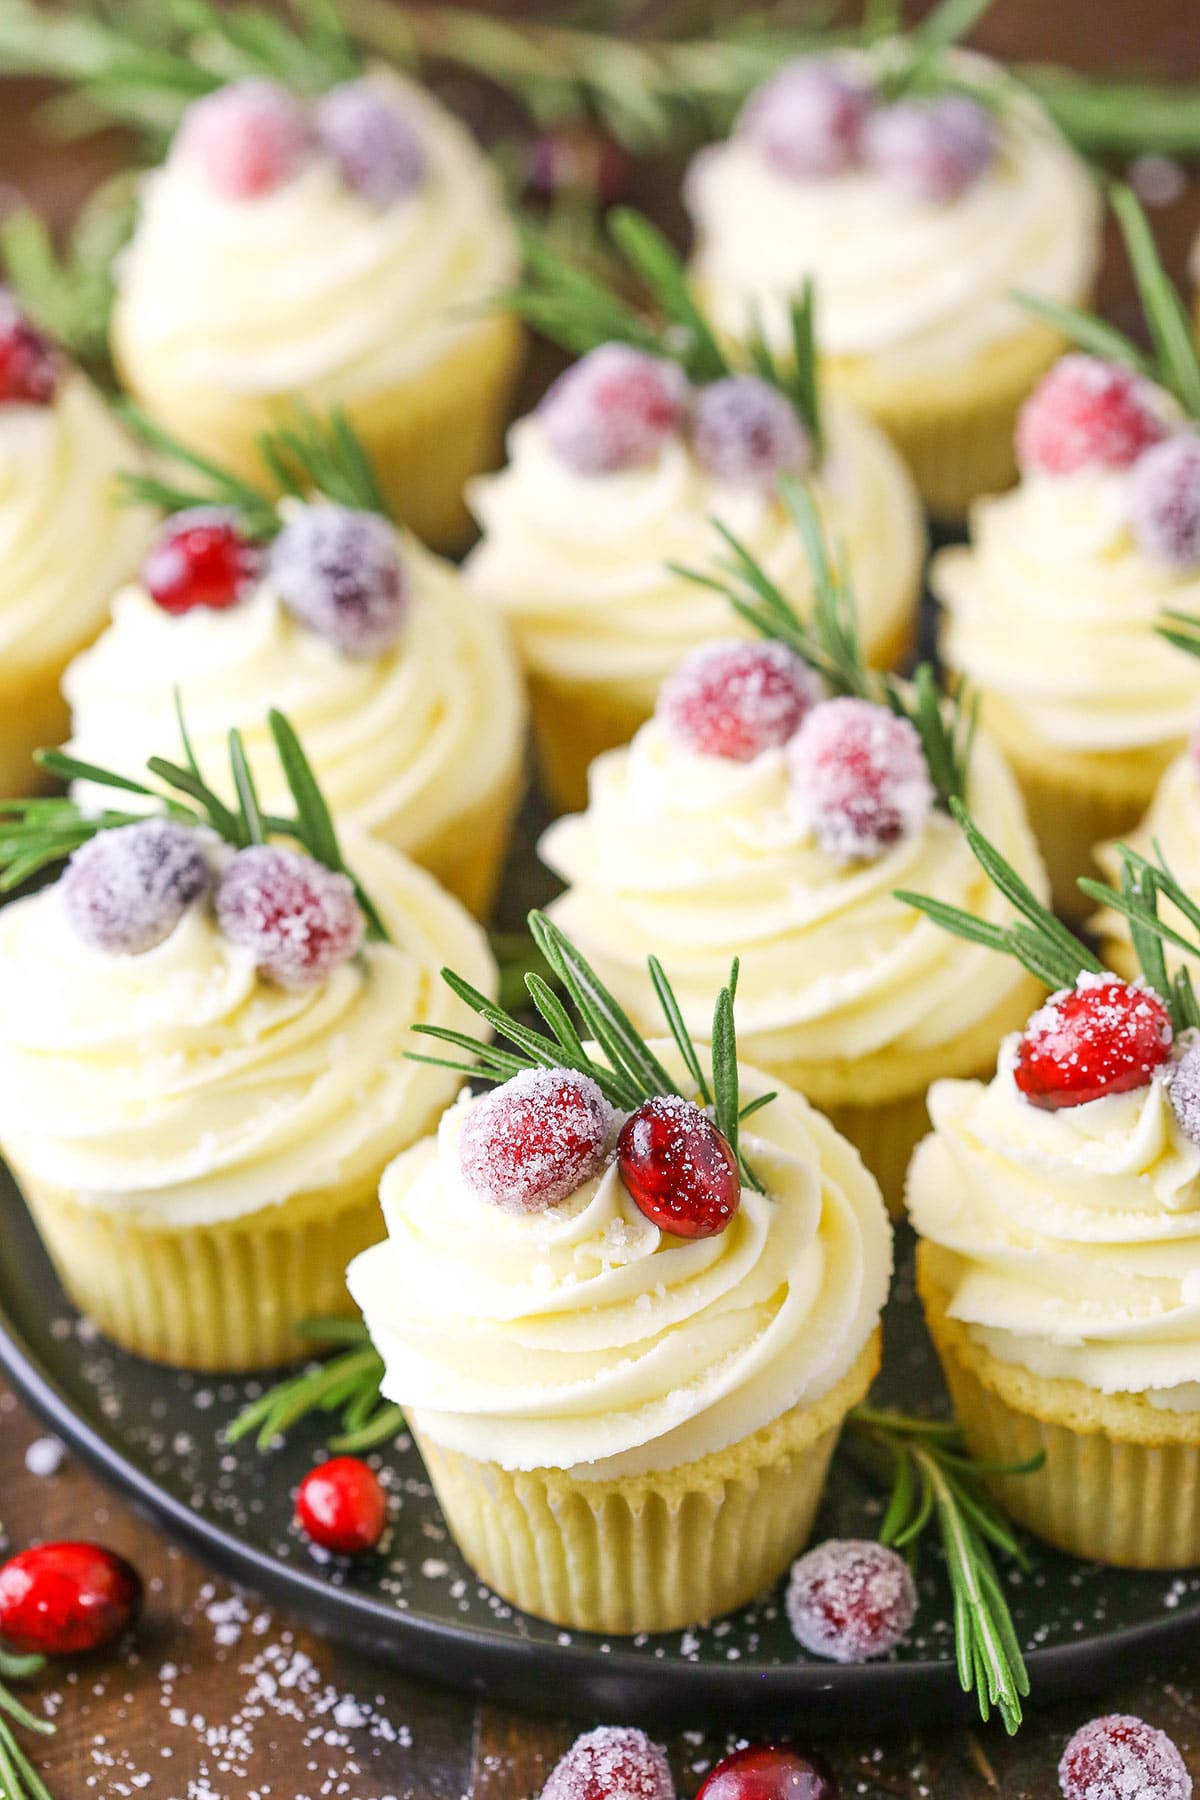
point(69, 293)
point(19, 1780)
point(347, 1384)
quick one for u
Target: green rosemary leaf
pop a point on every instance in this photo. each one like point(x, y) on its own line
point(1010, 884)
point(386, 1424)
point(1133, 906)
point(654, 259)
point(946, 24)
point(217, 486)
point(557, 1018)
point(1184, 1005)
point(1044, 960)
point(70, 768)
point(1165, 882)
point(605, 1019)
point(1170, 325)
point(315, 824)
point(1138, 883)
point(308, 455)
point(29, 1721)
point(805, 385)
point(505, 1062)
point(752, 1106)
point(725, 1071)
point(679, 1031)
point(243, 782)
point(333, 1330)
point(223, 820)
point(954, 918)
point(1083, 329)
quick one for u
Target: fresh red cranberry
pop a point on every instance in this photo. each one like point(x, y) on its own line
point(248, 138)
point(769, 1772)
point(340, 572)
point(299, 919)
point(737, 699)
point(746, 432)
point(126, 890)
point(374, 143)
point(807, 121)
point(1164, 501)
point(342, 1506)
point(851, 1599)
point(1084, 414)
point(530, 1143)
point(614, 1762)
point(63, 1599)
point(678, 1168)
point(1102, 1037)
point(200, 558)
point(576, 160)
point(931, 150)
point(1122, 1758)
point(860, 782)
point(614, 409)
point(29, 364)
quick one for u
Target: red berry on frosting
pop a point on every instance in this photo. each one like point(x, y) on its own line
point(807, 121)
point(247, 139)
point(29, 363)
point(745, 431)
point(851, 1599)
point(300, 920)
point(769, 1772)
point(342, 1506)
point(614, 409)
point(1164, 501)
point(200, 558)
point(531, 1142)
point(340, 572)
point(1122, 1758)
point(373, 142)
point(859, 778)
point(614, 1762)
point(678, 1168)
point(931, 149)
point(64, 1599)
point(737, 699)
point(1104, 1036)
point(1084, 414)
point(126, 890)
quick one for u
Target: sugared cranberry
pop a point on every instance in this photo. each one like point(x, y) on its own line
point(200, 558)
point(931, 150)
point(1183, 1080)
point(1164, 501)
point(530, 1143)
point(1084, 414)
point(373, 142)
point(769, 1772)
point(126, 890)
point(614, 409)
point(678, 1168)
point(1122, 1758)
point(860, 781)
point(807, 121)
point(299, 919)
point(247, 139)
point(737, 699)
point(614, 1762)
point(576, 160)
point(29, 364)
point(851, 1599)
point(1104, 1036)
point(745, 431)
point(340, 572)
point(66, 1598)
point(342, 1506)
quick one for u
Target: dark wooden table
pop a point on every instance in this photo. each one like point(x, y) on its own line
point(219, 1698)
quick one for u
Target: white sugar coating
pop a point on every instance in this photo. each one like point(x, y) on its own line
point(614, 1762)
point(532, 1141)
point(747, 432)
point(1164, 501)
point(931, 149)
point(1087, 412)
point(807, 120)
point(300, 920)
point(374, 143)
point(736, 699)
point(1183, 1079)
point(850, 1599)
point(859, 779)
point(126, 890)
point(613, 409)
point(1119, 1757)
point(339, 571)
point(45, 1456)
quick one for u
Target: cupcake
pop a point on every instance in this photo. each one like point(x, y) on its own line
point(64, 544)
point(625, 1335)
point(918, 194)
point(1058, 1211)
point(770, 811)
point(1170, 831)
point(340, 252)
point(203, 1066)
point(632, 464)
point(404, 689)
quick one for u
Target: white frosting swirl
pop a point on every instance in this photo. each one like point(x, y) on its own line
point(181, 1088)
point(585, 1338)
point(914, 285)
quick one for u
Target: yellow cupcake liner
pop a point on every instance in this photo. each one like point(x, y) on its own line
point(651, 1552)
point(33, 716)
point(1120, 1482)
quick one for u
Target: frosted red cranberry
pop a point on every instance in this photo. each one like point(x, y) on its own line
point(531, 1142)
point(1104, 1036)
point(246, 139)
point(1164, 500)
point(340, 572)
point(851, 1599)
point(931, 150)
point(577, 160)
point(614, 409)
point(745, 431)
point(678, 1169)
point(859, 779)
point(299, 920)
point(1183, 1078)
point(769, 1772)
point(1122, 1758)
point(737, 699)
point(200, 558)
point(29, 364)
point(1087, 413)
point(373, 142)
point(126, 890)
point(342, 1506)
point(807, 121)
point(614, 1762)
point(64, 1599)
